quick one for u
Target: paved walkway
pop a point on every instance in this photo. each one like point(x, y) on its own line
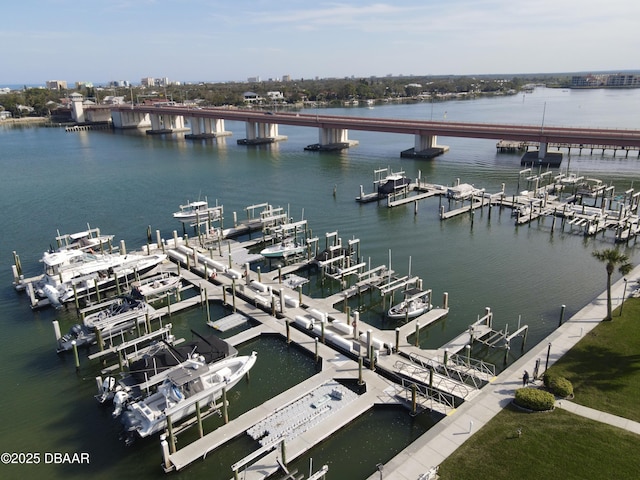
point(451, 432)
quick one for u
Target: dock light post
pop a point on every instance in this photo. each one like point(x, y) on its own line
point(546, 365)
point(380, 468)
point(624, 295)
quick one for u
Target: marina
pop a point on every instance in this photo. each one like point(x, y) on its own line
point(312, 302)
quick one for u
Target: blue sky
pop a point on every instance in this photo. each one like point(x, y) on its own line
point(211, 40)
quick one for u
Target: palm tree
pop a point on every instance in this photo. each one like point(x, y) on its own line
point(613, 258)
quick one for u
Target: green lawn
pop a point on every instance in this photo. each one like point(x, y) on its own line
point(604, 368)
point(552, 445)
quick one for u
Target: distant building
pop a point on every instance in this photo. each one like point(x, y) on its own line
point(253, 79)
point(148, 82)
point(286, 78)
point(617, 80)
point(56, 84)
point(251, 97)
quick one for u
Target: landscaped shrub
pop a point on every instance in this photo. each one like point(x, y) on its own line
point(534, 399)
point(561, 387)
point(558, 385)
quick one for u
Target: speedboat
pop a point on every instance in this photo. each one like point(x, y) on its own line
point(182, 391)
point(155, 362)
point(81, 334)
point(89, 240)
point(155, 286)
point(415, 303)
point(197, 212)
point(284, 249)
point(120, 315)
point(71, 272)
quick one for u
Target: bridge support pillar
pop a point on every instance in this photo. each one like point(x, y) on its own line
point(332, 139)
point(206, 128)
point(425, 146)
point(261, 132)
point(163, 123)
point(130, 119)
point(543, 150)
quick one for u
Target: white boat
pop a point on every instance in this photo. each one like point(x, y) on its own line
point(120, 315)
point(89, 240)
point(197, 212)
point(413, 305)
point(152, 364)
point(283, 249)
point(156, 285)
point(70, 272)
point(195, 383)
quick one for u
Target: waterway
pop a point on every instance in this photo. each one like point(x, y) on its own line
point(124, 182)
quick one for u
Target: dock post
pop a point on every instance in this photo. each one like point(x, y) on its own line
point(233, 294)
point(356, 320)
point(225, 411)
point(224, 295)
point(372, 358)
point(506, 353)
point(199, 416)
point(247, 269)
point(148, 322)
point(417, 334)
point(159, 240)
point(445, 300)
point(206, 301)
point(322, 326)
point(229, 256)
point(123, 248)
point(414, 398)
point(282, 301)
point(283, 453)
point(280, 274)
point(415, 207)
point(360, 381)
point(316, 348)
point(75, 297)
point(169, 302)
point(288, 331)
point(468, 349)
point(259, 274)
point(99, 339)
point(446, 357)
point(95, 282)
point(56, 329)
point(561, 315)
point(397, 339)
point(369, 342)
point(172, 440)
point(273, 305)
point(175, 239)
point(300, 294)
point(75, 354)
point(165, 451)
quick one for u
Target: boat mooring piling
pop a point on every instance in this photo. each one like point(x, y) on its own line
point(561, 315)
point(75, 354)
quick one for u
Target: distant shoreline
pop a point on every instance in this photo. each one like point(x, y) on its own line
point(24, 120)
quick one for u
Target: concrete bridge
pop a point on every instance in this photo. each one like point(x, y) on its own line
point(262, 127)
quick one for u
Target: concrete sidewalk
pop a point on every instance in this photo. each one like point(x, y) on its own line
point(443, 439)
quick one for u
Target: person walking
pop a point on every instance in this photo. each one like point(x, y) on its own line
point(525, 379)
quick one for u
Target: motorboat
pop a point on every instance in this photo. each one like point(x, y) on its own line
point(71, 272)
point(393, 183)
point(197, 212)
point(119, 315)
point(462, 191)
point(155, 362)
point(156, 285)
point(82, 335)
point(182, 391)
point(90, 240)
point(415, 303)
point(285, 249)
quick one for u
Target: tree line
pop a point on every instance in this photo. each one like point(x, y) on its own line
point(332, 91)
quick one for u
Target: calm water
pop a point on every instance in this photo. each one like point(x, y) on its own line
point(124, 182)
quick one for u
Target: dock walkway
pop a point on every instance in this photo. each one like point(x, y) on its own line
point(432, 448)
